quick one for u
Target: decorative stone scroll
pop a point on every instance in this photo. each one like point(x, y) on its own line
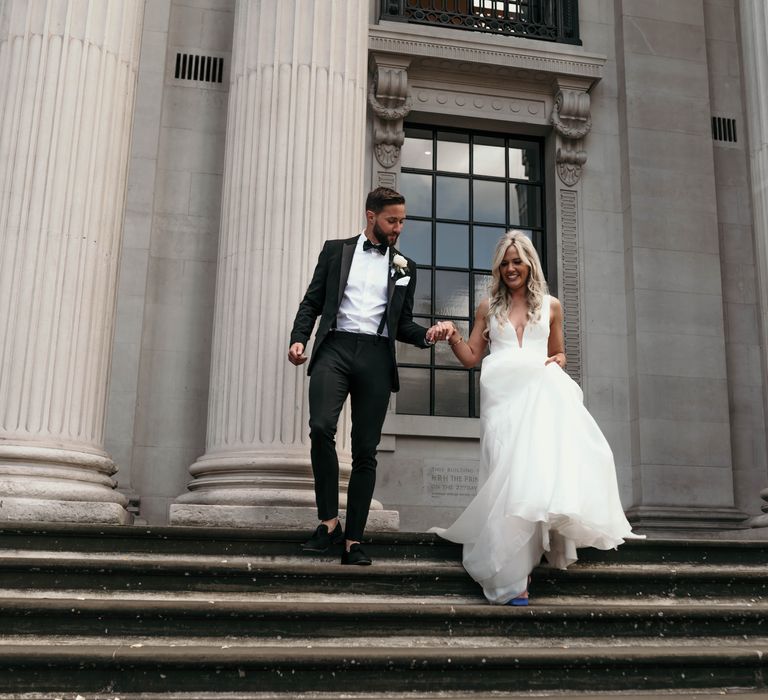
point(390, 103)
point(572, 121)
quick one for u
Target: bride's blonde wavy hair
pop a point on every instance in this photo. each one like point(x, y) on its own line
point(536, 285)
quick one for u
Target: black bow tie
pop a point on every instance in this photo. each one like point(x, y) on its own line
point(381, 247)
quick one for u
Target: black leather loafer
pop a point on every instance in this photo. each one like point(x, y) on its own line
point(322, 540)
point(355, 555)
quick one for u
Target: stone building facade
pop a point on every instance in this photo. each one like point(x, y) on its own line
point(169, 170)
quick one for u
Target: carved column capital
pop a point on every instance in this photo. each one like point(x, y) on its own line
point(390, 103)
point(572, 122)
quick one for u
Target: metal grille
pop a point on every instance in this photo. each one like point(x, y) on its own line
point(724, 129)
point(205, 69)
point(548, 20)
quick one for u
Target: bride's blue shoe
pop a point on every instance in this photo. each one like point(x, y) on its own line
point(518, 602)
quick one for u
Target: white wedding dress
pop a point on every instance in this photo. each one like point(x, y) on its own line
point(547, 481)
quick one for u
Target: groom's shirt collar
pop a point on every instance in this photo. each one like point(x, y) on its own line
point(365, 296)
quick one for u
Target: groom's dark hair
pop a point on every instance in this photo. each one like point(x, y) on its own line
point(382, 197)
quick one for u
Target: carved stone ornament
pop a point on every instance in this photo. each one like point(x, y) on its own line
point(390, 103)
point(572, 122)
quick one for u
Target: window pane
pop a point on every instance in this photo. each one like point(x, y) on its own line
point(484, 244)
point(452, 198)
point(453, 152)
point(524, 161)
point(416, 241)
point(452, 245)
point(411, 355)
point(422, 302)
point(488, 202)
point(417, 190)
point(451, 293)
point(413, 396)
point(488, 156)
point(524, 205)
point(451, 393)
point(482, 286)
point(443, 354)
point(416, 151)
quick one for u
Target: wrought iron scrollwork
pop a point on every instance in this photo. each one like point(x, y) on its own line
point(547, 20)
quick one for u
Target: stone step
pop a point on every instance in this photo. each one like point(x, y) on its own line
point(151, 669)
point(674, 694)
point(311, 575)
point(287, 621)
point(401, 546)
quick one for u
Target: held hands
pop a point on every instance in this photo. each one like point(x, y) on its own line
point(558, 358)
point(442, 330)
point(296, 354)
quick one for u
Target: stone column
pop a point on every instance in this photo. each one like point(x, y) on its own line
point(67, 81)
point(754, 52)
point(293, 178)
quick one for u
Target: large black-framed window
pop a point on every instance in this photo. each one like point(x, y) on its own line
point(463, 190)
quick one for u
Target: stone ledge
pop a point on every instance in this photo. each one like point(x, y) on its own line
point(50, 511)
point(267, 517)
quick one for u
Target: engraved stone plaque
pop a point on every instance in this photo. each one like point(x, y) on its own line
point(450, 484)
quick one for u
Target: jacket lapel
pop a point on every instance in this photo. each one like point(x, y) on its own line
point(347, 252)
point(390, 279)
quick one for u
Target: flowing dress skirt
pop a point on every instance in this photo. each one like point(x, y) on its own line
point(547, 482)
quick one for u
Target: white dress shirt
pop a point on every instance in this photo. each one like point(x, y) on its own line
point(365, 296)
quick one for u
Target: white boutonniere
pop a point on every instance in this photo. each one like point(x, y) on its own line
point(399, 265)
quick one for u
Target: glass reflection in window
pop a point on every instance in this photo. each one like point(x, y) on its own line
point(488, 156)
point(413, 397)
point(416, 151)
point(451, 293)
point(524, 205)
point(523, 161)
point(488, 201)
point(452, 198)
point(416, 241)
point(452, 244)
point(453, 152)
point(422, 302)
point(485, 239)
point(417, 190)
point(451, 393)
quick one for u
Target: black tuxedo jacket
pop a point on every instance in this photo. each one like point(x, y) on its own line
point(325, 293)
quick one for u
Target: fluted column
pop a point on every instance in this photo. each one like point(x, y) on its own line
point(754, 51)
point(293, 179)
point(67, 80)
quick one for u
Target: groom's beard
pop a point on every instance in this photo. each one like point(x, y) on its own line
point(381, 237)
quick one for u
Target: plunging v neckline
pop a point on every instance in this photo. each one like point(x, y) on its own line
point(519, 336)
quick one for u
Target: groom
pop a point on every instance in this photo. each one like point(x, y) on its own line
point(362, 289)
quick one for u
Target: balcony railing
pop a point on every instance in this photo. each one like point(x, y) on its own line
point(545, 20)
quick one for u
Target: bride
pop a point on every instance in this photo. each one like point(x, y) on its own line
point(547, 481)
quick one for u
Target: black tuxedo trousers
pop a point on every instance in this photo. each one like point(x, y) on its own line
point(359, 366)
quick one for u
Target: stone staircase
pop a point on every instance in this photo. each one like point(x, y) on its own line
point(129, 612)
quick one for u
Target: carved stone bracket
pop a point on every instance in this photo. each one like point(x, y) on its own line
point(572, 121)
point(390, 103)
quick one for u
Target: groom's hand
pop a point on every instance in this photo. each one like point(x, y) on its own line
point(296, 354)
